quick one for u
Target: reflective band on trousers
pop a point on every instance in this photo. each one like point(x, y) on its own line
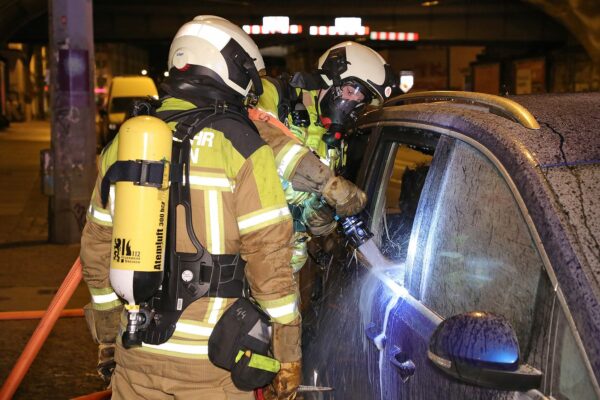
point(262, 218)
point(99, 215)
point(179, 348)
point(191, 329)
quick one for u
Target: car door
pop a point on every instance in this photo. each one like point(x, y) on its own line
point(469, 249)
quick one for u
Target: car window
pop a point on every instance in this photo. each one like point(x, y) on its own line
point(474, 250)
point(573, 381)
point(397, 195)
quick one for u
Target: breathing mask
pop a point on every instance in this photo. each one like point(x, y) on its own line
point(340, 107)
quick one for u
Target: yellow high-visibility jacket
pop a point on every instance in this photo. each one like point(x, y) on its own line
point(238, 208)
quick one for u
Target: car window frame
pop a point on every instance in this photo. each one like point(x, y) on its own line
point(453, 133)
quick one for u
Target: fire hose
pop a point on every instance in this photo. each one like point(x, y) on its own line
point(42, 331)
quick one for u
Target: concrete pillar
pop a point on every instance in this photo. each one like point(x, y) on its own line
point(73, 145)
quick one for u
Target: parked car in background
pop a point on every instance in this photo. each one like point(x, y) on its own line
point(124, 90)
point(487, 210)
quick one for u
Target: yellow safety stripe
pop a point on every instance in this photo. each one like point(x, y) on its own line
point(190, 338)
point(104, 299)
point(213, 212)
point(287, 159)
point(99, 215)
point(264, 217)
point(190, 329)
point(216, 308)
point(179, 348)
point(210, 181)
point(283, 310)
point(300, 251)
point(267, 182)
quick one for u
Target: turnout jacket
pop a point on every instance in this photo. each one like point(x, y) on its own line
point(238, 208)
point(300, 159)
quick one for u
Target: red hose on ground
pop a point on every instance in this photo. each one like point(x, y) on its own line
point(41, 332)
point(104, 395)
point(14, 315)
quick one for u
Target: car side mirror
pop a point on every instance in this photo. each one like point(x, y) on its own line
point(482, 349)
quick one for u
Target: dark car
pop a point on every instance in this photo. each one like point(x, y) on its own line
point(485, 212)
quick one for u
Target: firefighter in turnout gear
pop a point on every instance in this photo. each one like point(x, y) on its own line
point(225, 202)
point(318, 109)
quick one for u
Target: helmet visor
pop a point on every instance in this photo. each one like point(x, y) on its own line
point(354, 91)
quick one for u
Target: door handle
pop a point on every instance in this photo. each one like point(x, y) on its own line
point(399, 359)
point(375, 336)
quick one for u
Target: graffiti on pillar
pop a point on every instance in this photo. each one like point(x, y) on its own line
point(66, 116)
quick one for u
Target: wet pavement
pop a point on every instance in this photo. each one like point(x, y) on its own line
point(31, 270)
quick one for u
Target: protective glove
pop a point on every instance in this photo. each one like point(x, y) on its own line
point(344, 196)
point(104, 327)
point(318, 217)
point(106, 361)
point(286, 382)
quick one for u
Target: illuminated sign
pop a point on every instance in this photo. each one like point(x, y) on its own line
point(349, 26)
point(395, 36)
point(273, 25)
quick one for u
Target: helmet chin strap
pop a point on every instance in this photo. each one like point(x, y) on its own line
point(254, 76)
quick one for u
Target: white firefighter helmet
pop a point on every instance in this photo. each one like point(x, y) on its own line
point(213, 47)
point(353, 62)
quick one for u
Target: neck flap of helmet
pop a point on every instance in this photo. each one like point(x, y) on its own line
point(201, 86)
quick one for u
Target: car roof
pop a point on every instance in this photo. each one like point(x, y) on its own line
point(567, 148)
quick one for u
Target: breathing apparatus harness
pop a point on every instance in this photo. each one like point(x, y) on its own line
point(188, 276)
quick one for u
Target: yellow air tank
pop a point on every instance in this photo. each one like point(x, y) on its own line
point(140, 216)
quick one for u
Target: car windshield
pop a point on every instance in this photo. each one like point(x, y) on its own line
point(123, 104)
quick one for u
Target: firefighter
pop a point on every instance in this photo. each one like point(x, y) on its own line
point(318, 109)
point(236, 210)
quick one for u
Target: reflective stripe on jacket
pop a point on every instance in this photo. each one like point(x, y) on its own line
point(238, 207)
